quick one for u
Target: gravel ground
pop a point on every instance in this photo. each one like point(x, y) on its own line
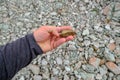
point(93, 55)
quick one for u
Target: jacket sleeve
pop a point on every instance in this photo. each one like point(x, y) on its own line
point(16, 55)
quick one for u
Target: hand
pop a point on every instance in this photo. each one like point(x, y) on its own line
point(47, 37)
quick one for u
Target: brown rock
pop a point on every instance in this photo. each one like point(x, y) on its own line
point(112, 46)
point(102, 61)
point(113, 67)
point(94, 61)
point(106, 10)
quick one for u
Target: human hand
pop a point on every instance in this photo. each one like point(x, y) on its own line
point(47, 37)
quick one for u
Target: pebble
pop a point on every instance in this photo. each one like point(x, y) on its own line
point(88, 68)
point(55, 71)
point(37, 77)
point(59, 60)
point(53, 13)
point(97, 26)
point(99, 76)
point(87, 76)
point(113, 67)
point(118, 77)
point(106, 10)
point(109, 56)
point(86, 1)
point(102, 70)
point(93, 37)
point(66, 77)
point(71, 47)
point(34, 68)
point(85, 32)
point(44, 62)
point(67, 68)
point(58, 5)
point(112, 46)
point(94, 61)
point(78, 65)
point(107, 27)
point(4, 26)
point(66, 62)
point(111, 74)
point(22, 78)
point(87, 42)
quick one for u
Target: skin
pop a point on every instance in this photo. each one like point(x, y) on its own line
point(47, 37)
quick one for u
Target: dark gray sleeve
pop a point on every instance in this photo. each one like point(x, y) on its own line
point(16, 55)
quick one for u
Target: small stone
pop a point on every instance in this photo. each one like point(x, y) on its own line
point(59, 60)
point(109, 56)
point(78, 65)
point(85, 32)
point(37, 77)
point(34, 68)
point(111, 74)
point(105, 77)
point(71, 47)
point(118, 77)
point(94, 61)
point(67, 68)
point(102, 61)
point(108, 27)
point(59, 5)
point(98, 76)
point(88, 68)
point(86, 1)
point(106, 10)
point(4, 26)
point(51, 0)
point(87, 42)
point(96, 44)
point(54, 78)
point(66, 62)
point(87, 76)
point(102, 71)
point(96, 27)
point(44, 62)
point(93, 37)
point(22, 78)
point(55, 71)
point(112, 41)
point(46, 76)
point(113, 67)
point(53, 13)
point(66, 77)
point(81, 49)
point(112, 46)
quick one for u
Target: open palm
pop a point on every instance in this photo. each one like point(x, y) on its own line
point(48, 37)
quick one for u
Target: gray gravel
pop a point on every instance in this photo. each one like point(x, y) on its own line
point(93, 55)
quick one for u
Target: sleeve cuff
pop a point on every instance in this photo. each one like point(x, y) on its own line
point(33, 44)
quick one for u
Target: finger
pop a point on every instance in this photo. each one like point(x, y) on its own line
point(59, 42)
point(59, 29)
point(52, 42)
point(69, 38)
